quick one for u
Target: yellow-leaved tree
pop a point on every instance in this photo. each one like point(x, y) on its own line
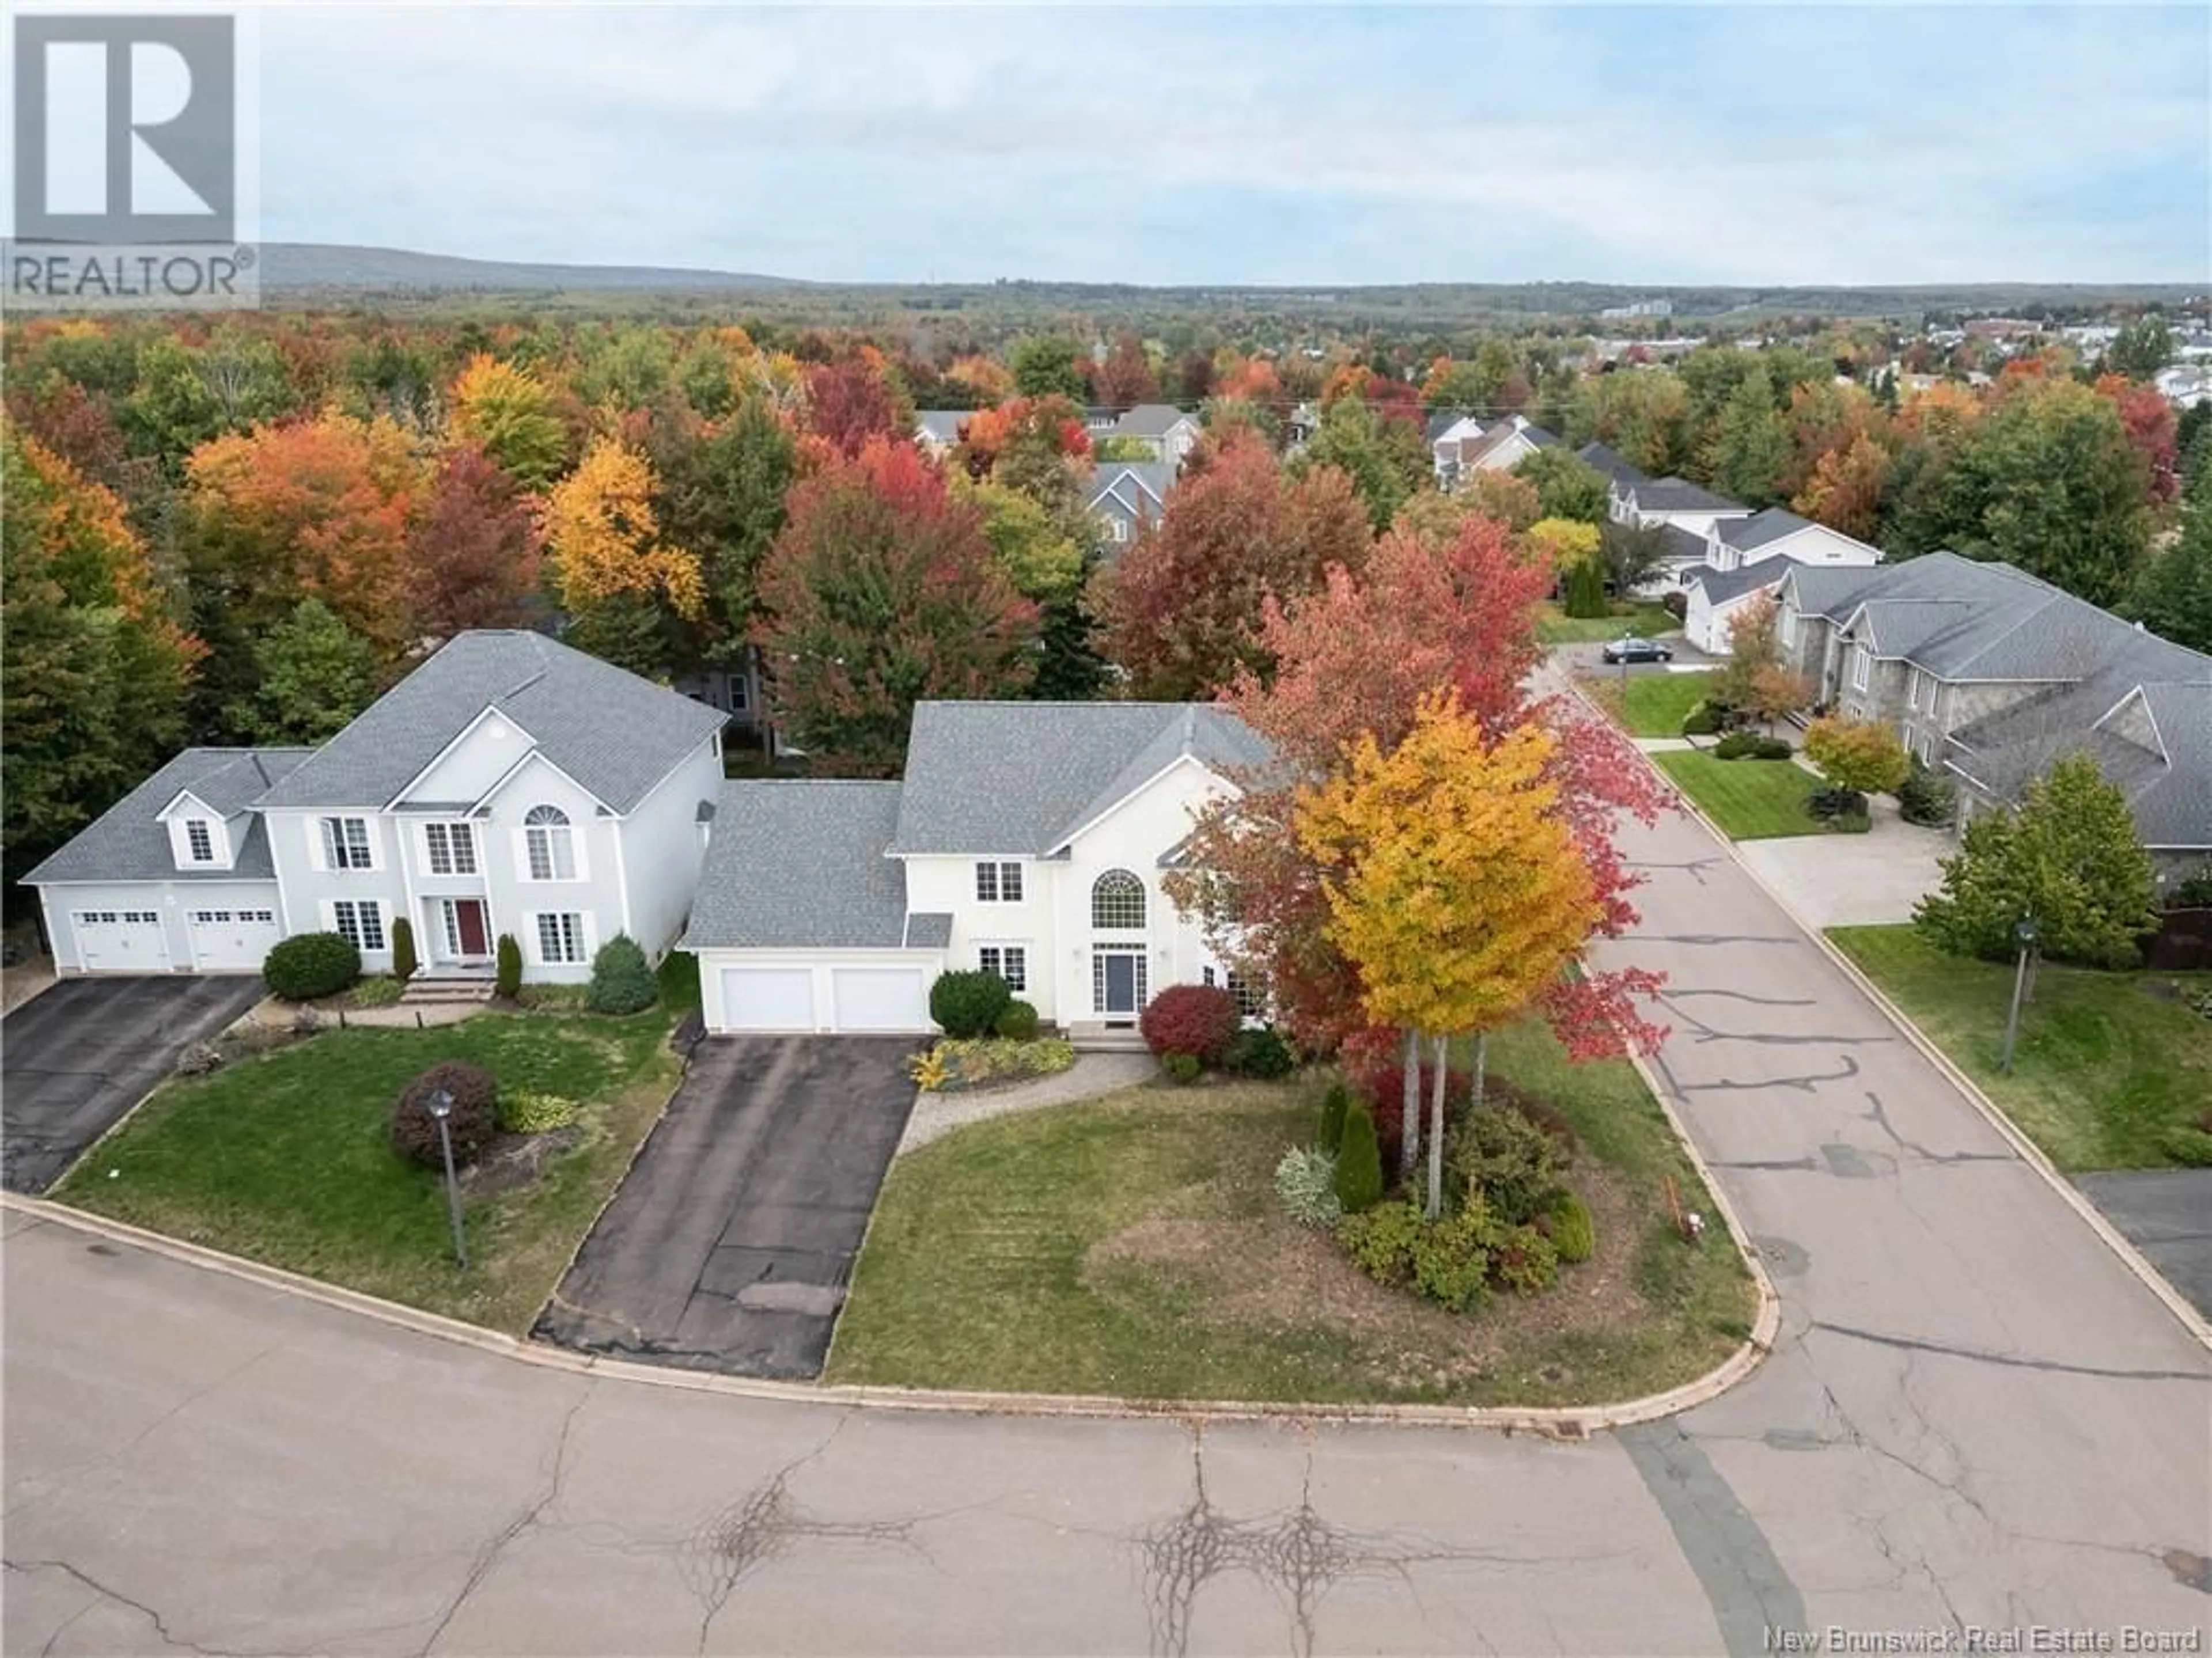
point(611, 571)
point(508, 413)
point(1453, 880)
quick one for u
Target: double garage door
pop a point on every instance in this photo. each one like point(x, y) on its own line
point(223, 940)
point(826, 998)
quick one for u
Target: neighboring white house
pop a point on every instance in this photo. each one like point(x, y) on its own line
point(1027, 838)
point(1501, 447)
point(1673, 502)
point(1169, 432)
point(1126, 496)
point(508, 785)
point(936, 431)
point(1445, 432)
point(1750, 556)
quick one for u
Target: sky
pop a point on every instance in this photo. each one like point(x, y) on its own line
point(1300, 145)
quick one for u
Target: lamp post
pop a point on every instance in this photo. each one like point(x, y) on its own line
point(2025, 933)
point(441, 1106)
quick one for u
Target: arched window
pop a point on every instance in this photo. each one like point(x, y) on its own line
point(550, 843)
point(1117, 900)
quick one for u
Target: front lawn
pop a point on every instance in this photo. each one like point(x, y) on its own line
point(1645, 621)
point(1134, 1247)
point(2103, 1065)
point(1650, 704)
point(1750, 799)
point(286, 1158)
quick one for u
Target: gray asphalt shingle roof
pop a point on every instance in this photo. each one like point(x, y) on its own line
point(1679, 495)
point(615, 733)
point(1020, 778)
point(1141, 486)
point(1771, 523)
point(127, 842)
point(1149, 420)
point(1725, 587)
point(800, 865)
point(1614, 464)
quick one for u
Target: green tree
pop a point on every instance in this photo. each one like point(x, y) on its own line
point(313, 675)
point(1386, 459)
point(721, 490)
point(1566, 485)
point(1045, 365)
point(2174, 598)
point(2141, 350)
point(1861, 756)
point(2067, 857)
point(1751, 445)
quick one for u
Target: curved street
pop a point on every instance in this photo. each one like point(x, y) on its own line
point(1975, 1418)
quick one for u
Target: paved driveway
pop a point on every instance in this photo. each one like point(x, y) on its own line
point(1854, 880)
point(728, 1246)
point(2167, 1214)
point(76, 1059)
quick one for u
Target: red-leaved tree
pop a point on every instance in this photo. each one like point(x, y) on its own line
point(473, 554)
point(1356, 658)
point(882, 591)
point(1184, 611)
point(854, 401)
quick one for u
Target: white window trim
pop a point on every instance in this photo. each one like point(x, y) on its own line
point(319, 844)
point(741, 692)
point(999, 868)
point(523, 872)
point(215, 848)
point(468, 831)
point(1019, 946)
point(1912, 689)
point(1862, 666)
point(586, 937)
point(383, 921)
point(1136, 953)
point(1091, 904)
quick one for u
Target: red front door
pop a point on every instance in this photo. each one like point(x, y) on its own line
point(469, 922)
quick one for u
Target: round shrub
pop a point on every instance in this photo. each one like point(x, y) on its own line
point(1524, 1261)
point(1517, 1169)
point(474, 1117)
point(968, 1003)
point(1183, 1067)
point(1359, 1164)
point(1750, 745)
point(1574, 1233)
point(1702, 720)
point(1826, 802)
point(311, 964)
point(1259, 1052)
point(622, 979)
point(1196, 1019)
point(1016, 1021)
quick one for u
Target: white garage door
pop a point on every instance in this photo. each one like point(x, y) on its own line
point(879, 997)
point(120, 940)
point(232, 940)
point(768, 998)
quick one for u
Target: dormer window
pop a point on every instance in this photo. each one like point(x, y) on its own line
point(199, 840)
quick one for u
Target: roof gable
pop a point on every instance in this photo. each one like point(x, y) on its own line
point(130, 841)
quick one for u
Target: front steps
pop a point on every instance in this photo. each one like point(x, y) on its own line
point(429, 991)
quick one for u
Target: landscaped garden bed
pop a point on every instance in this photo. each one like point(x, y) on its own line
point(1137, 1247)
point(287, 1157)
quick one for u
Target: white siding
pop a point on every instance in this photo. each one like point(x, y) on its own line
point(477, 759)
point(661, 850)
point(595, 894)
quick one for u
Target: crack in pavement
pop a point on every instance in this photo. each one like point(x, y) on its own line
point(1672, 994)
point(105, 1593)
point(1879, 1118)
point(1705, 939)
point(1693, 867)
point(1981, 1356)
point(1805, 1084)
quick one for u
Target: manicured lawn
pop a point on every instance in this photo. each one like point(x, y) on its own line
point(1650, 704)
point(285, 1158)
point(1750, 799)
point(1555, 627)
point(1134, 1246)
point(2102, 1066)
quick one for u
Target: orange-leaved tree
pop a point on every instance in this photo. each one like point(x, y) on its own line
point(1453, 880)
point(611, 571)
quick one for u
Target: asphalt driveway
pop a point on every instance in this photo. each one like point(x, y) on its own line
point(2167, 1214)
point(728, 1246)
point(76, 1059)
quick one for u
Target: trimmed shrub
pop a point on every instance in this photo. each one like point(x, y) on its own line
point(1750, 745)
point(1702, 720)
point(1524, 1261)
point(404, 962)
point(1514, 1167)
point(1183, 1067)
point(311, 964)
point(474, 1117)
point(1830, 803)
point(1016, 1021)
point(1359, 1164)
point(2190, 1147)
point(508, 979)
point(1447, 1260)
point(1259, 1052)
point(534, 1114)
point(1925, 796)
point(1850, 822)
point(974, 1062)
point(1574, 1232)
point(622, 979)
point(1305, 1181)
point(1200, 1020)
point(1585, 590)
point(968, 1003)
point(1333, 1106)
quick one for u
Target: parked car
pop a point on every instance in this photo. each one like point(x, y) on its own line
point(1632, 649)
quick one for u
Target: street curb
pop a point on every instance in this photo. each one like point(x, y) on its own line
point(2029, 1153)
point(1568, 1423)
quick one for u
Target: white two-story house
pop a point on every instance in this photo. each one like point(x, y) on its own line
point(508, 786)
point(1027, 838)
point(1747, 556)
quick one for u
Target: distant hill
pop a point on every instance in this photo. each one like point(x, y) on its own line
point(295, 267)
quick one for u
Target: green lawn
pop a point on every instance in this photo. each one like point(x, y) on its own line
point(1555, 627)
point(1134, 1247)
point(1750, 799)
point(2102, 1065)
point(1650, 704)
point(285, 1158)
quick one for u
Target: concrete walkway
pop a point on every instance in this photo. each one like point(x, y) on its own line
point(1091, 1076)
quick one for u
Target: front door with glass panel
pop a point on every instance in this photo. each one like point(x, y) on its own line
point(1117, 983)
point(467, 936)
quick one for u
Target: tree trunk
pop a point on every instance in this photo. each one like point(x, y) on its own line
point(1409, 1111)
point(1436, 1132)
point(1481, 1068)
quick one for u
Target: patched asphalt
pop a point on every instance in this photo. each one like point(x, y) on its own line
point(729, 1245)
point(2167, 1214)
point(77, 1057)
